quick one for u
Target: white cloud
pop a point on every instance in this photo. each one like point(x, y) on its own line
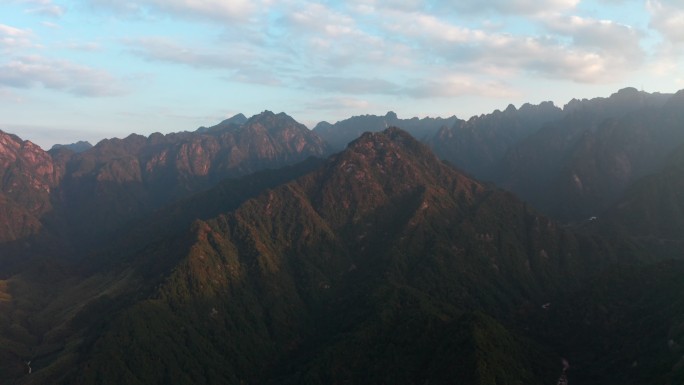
point(14, 37)
point(504, 7)
point(437, 85)
point(598, 51)
point(255, 75)
point(351, 85)
point(412, 48)
point(213, 10)
point(62, 75)
point(426, 28)
point(243, 63)
point(123, 7)
point(323, 37)
point(369, 6)
point(50, 25)
point(8, 96)
point(221, 10)
point(448, 86)
point(667, 17)
point(616, 44)
point(507, 7)
point(319, 19)
point(48, 10)
point(43, 7)
point(83, 46)
point(338, 103)
point(166, 50)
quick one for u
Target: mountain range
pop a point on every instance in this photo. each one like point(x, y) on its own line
point(84, 196)
point(258, 251)
point(343, 132)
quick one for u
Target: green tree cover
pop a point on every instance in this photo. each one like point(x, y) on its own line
point(383, 266)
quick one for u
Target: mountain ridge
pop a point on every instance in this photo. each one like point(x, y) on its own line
point(328, 254)
point(380, 263)
point(119, 180)
point(576, 167)
point(338, 135)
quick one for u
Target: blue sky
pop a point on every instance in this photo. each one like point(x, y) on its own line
point(90, 69)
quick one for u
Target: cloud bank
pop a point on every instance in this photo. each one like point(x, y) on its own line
point(383, 46)
point(415, 49)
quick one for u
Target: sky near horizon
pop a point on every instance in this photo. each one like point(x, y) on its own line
point(93, 69)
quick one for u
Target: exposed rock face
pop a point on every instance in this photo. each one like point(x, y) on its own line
point(121, 179)
point(225, 150)
point(27, 176)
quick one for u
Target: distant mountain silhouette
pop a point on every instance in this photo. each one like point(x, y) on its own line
point(79, 146)
point(338, 135)
point(235, 120)
point(577, 166)
point(479, 144)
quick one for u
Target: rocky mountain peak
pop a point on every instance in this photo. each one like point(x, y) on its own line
point(268, 134)
point(236, 119)
point(9, 144)
point(392, 140)
point(386, 167)
point(391, 115)
point(273, 123)
point(27, 175)
point(232, 122)
point(627, 91)
point(76, 147)
point(267, 116)
point(28, 159)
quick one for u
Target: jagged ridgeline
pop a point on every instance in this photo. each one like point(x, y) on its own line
point(383, 265)
point(84, 196)
point(571, 163)
point(244, 253)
